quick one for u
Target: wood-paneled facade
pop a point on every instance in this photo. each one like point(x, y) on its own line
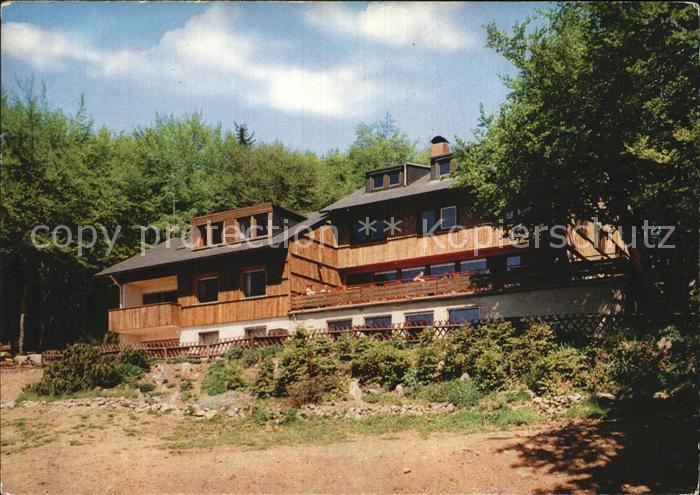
point(314, 267)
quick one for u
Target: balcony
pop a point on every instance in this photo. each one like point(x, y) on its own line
point(460, 283)
point(151, 317)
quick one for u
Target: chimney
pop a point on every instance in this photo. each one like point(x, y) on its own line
point(439, 146)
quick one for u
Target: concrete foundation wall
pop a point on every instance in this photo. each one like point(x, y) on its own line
point(602, 297)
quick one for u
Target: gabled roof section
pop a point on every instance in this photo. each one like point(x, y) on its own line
point(175, 250)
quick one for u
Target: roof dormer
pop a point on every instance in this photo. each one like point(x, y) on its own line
point(441, 158)
point(399, 175)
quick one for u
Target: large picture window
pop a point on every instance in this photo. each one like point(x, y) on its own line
point(473, 266)
point(160, 297)
point(369, 230)
point(255, 283)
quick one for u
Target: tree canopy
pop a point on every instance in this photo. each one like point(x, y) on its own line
point(602, 120)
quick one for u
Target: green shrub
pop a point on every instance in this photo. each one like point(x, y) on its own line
point(185, 385)
point(437, 359)
point(224, 374)
point(558, 372)
point(306, 360)
point(306, 391)
point(264, 385)
point(136, 357)
point(461, 393)
point(83, 368)
point(145, 387)
point(385, 363)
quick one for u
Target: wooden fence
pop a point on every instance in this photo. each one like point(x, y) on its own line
point(577, 329)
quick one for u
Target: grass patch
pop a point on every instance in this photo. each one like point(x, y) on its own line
point(257, 433)
point(588, 408)
point(120, 392)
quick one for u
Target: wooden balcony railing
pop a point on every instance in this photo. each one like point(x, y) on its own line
point(149, 316)
point(457, 283)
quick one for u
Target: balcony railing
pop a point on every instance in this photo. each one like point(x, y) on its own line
point(143, 317)
point(457, 283)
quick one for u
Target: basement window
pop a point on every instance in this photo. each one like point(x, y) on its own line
point(260, 331)
point(343, 324)
point(378, 321)
point(419, 319)
point(208, 337)
point(463, 315)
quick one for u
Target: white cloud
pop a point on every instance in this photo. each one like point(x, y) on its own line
point(427, 25)
point(208, 56)
point(43, 49)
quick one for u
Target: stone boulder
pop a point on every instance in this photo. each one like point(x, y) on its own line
point(158, 374)
point(22, 360)
point(35, 359)
point(354, 391)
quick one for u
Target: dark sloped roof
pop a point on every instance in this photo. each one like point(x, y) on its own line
point(175, 251)
point(420, 186)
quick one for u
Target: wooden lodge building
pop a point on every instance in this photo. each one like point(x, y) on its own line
point(408, 248)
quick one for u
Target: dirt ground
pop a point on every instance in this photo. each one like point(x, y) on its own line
point(93, 450)
point(13, 380)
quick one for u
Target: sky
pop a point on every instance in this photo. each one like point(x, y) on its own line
point(305, 74)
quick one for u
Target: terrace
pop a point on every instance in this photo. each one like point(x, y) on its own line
point(459, 283)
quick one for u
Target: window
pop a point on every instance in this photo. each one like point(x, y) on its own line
point(419, 319)
point(368, 230)
point(261, 227)
point(208, 289)
point(394, 178)
point(513, 262)
point(255, 283)
point(255, 331)
point(208, 337)
point(462, 315)
point(442, 269)
point(216, 231)
point(378, 321)
point(444, 168)
point(428, 222)
point(244, 227)
point(388, 276)
point(160, 297)
point(339, 324)
point(358, 278)
point(473, 266)
point(448, 217)
point(377, 181)
point(408, 274)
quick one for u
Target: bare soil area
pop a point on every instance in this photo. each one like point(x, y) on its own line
point(13, 380)
point(95, 449)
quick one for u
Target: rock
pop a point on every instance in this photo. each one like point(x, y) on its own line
point(5, 355)
point(406, 470)
point(354, 391)
point(186, 370)
point(7, 362)
point(22, 360)
point(661, 394)
point(158, 374)
point(605, 396)
point(399, 391)
point(35, 359)
point(465, 377)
